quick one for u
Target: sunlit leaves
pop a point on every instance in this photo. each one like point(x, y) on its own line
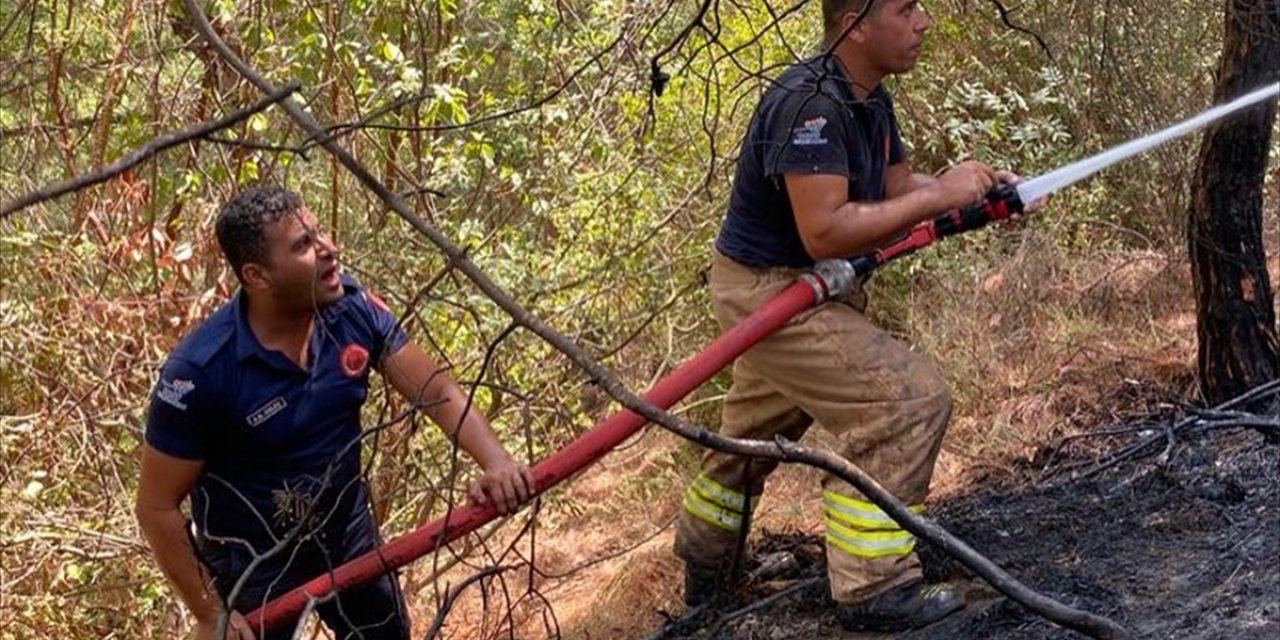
point(559, 179)
point(447, 105)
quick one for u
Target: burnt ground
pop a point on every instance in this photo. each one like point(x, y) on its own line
point(1186, 548)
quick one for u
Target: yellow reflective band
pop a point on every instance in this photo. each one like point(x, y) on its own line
point(870, 544)
point(714, 492)
point(711, 513)
point(864, 515)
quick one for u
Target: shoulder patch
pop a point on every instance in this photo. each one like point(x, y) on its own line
point(809, 133)
point(172, 392)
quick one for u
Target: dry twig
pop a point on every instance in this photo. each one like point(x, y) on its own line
point(141, 154)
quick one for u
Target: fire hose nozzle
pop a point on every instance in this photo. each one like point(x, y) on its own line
point(1004, 201)
point(831, 279)
point(1000, 203)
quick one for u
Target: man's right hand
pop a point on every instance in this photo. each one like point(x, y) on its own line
point(505, 483)
point(237, 628)
point(965, 184)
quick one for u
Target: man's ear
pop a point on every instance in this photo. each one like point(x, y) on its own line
point(255, 276)
point(853, 34)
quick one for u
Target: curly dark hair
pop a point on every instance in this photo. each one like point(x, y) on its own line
point(242, 219)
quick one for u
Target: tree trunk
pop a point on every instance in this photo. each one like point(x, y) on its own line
point(1236, 315)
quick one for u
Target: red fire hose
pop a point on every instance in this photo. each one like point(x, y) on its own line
point(574, 457)
point(830, 279)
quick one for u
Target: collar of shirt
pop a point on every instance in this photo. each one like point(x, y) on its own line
point(247, 345)
point(831, 65)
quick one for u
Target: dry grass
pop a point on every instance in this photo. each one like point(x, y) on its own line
point(82, 336)
point(1047, 343)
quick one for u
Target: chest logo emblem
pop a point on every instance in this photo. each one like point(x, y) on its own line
point(354, 360)
point(810, 132)
point(265, 412)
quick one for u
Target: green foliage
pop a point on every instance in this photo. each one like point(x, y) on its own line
point(592, 204)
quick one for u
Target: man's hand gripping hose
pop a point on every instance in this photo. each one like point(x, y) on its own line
point(833, 278)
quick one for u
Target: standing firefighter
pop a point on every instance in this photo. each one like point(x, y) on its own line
point(256, 417)
point(823, 174)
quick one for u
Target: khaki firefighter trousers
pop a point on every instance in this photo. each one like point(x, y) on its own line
point(887, 406)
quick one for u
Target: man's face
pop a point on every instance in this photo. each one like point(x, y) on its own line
point(893, 34)
point(302, 264)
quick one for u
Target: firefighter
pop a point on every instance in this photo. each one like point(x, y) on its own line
point(822, 174)
point(256, 418)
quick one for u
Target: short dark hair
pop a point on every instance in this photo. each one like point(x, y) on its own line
point(242, 219)
point(832, 10)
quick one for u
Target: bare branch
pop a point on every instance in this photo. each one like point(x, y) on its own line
point(301, 152)
point(141, 154)
point(657, 77)
point(333, 132)
point(1006, 16)
point(447, 605)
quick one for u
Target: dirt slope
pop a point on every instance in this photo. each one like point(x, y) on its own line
point(1189, 550)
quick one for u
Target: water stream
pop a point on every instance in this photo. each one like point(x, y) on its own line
point(1041, 186)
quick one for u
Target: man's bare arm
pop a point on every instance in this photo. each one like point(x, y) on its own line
point(832, 226)
point(165, 482)
point(901, 179)
point(418, 377)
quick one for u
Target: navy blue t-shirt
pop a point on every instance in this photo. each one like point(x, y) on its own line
point(274, 438)
point(807, 122)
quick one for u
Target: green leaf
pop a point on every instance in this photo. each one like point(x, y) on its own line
point(258, 122)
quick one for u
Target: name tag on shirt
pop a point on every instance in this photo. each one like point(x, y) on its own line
point(267, 410)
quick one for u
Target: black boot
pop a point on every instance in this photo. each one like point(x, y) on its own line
point(705, 585)
point(910, 606)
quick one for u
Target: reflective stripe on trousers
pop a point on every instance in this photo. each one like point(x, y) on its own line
point(717, 504)
point(862, 529)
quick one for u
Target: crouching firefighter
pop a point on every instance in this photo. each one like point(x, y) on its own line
point(823, 174)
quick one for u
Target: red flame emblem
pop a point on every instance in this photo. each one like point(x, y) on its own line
point(354, 360)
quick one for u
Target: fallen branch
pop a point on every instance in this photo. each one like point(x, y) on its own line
point(1090, 624)
point(681, 625)
point(1257, 423)
point(763, 603)
point(141, 154)
point(1093, 625)
point(1201, 420)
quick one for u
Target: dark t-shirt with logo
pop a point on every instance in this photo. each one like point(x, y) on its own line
point(807, 122)
point(276, 440)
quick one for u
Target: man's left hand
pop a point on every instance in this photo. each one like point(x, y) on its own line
point(506, 485)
